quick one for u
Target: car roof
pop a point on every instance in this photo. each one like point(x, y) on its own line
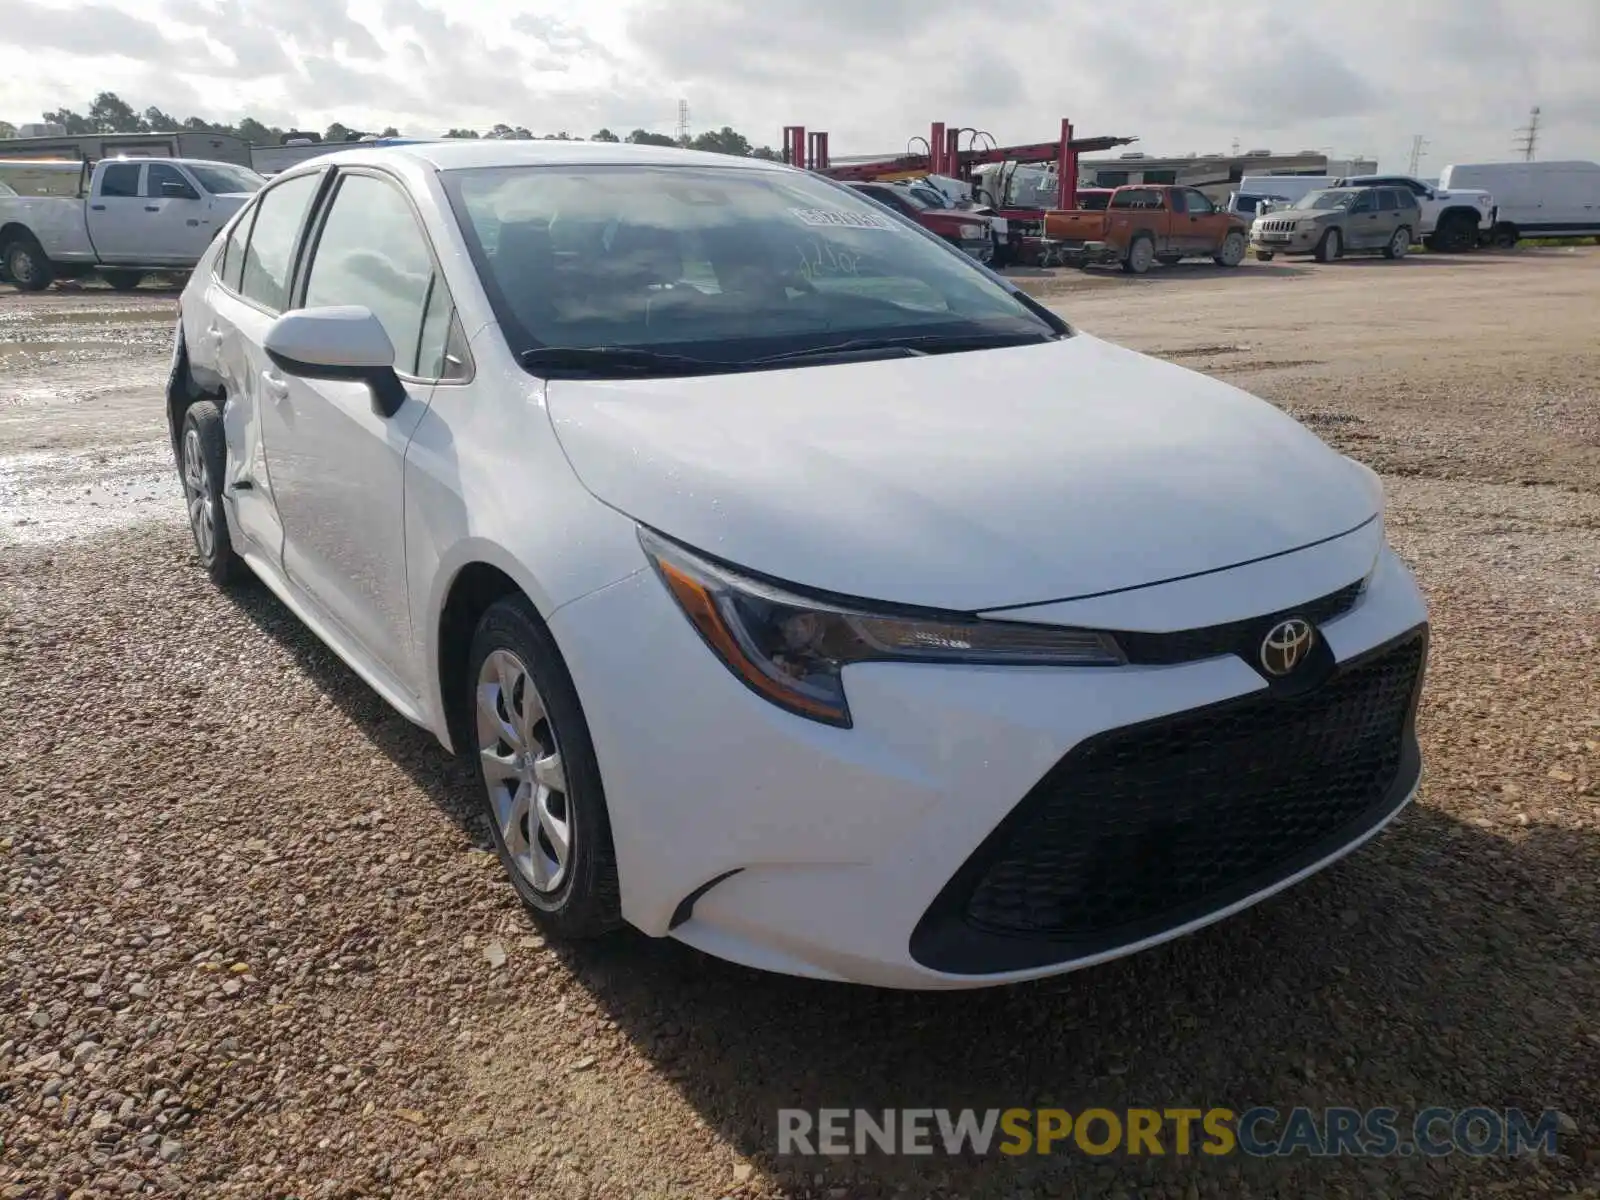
point(457, 154)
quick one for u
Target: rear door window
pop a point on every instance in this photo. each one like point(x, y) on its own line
point(231, 266)
point(269, 257)
point(1387, 200)
point(120, 179)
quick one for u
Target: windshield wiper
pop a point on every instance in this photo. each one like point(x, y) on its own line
point(617, 360)
point(913, 346)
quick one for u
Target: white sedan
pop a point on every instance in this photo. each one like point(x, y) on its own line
point(803, 591)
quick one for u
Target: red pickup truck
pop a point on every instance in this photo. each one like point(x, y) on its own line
point(968, 231)
point(1144, 224)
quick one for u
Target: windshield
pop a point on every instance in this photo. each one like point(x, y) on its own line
point(221, 179)
point(1326, 200)
point(723, 264)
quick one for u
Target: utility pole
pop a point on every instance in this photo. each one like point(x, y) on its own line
point(683, 121)
point(1418, 150)
point(1528, 135)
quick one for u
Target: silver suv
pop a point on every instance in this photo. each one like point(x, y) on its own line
point(1327, 223)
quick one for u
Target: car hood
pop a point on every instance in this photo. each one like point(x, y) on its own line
point(964, 481)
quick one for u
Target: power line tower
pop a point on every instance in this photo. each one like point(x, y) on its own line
point(1235, 147)
point(683, 120)
point(1419, 149)
point(1528, 135)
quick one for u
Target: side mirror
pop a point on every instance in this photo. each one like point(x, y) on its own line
point(346, 342)
point(173, 189)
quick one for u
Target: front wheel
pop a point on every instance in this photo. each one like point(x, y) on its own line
point(542, 791)
point(28, 265)
point(1399, 244)
point(1141, 253)
point(1330, 247)
point(1231, 253)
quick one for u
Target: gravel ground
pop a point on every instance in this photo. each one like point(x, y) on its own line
point(256, 943)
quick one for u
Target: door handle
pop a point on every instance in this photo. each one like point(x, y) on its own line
point(213, 335)
point(152, 208)
point(191, 221)
point(97, 208)
point(277, 386)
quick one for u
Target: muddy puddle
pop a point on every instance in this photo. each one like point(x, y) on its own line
point(83, 446)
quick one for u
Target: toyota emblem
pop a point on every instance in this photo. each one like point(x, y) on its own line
point(1286, 646)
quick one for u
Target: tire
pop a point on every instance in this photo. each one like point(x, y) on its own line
point(1330, 247)
point(1266, 255)
point(1399, 244)
point(29, 269)
point(202, 466)
point(1504, 237)
point(524, 712)
point(1456, 234)
point(123, 281)
point(1231, 253)
point(1141, 253)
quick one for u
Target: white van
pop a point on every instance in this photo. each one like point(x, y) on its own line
point(1535, 199)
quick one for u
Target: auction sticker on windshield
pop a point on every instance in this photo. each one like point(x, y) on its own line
point(843, 220)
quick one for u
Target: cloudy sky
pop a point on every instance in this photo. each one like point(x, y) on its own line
point(1346, 76)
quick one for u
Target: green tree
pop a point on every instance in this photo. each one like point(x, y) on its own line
point(641, 137)
point(605, 135)
point(722, 141)
point(389, 131)
point(338, 132)
point(766, 152)
point(159, 122)
point(257, 134)
point(110, 113)
point(198, 125)
point(462, 133)
point(72, 122)
point(7, 129)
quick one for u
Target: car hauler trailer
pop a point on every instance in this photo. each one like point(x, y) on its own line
point(989, 167)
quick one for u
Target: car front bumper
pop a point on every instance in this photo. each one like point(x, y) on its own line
point(1299, 241)
point(972, 828)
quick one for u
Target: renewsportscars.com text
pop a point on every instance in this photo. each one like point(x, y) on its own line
point(1259, 1132)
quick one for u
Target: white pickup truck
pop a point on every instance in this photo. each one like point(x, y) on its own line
point(127, 216)
point(1452, 218)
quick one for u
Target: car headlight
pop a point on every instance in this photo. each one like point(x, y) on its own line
point(791, 648)
point(972, 232)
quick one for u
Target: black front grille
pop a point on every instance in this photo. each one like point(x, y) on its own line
point(1145, 828)
point(1234, 637)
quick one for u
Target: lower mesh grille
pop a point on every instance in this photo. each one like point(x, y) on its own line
point(1144, 828)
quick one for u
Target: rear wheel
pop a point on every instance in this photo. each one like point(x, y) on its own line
point(1231, 252)
point(202, 463)
point(541, 780)
point(27, 264)
point(1141, 253)
point(1398, 244)
point(124, 281)
point(1331, 246)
